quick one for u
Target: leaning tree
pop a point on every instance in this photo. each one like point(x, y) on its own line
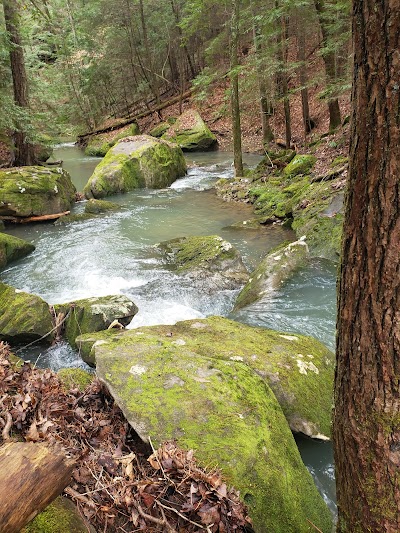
point(367, 385)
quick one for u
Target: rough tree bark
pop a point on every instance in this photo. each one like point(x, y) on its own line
point(367, 385)
point(23, 150)
point(234, 78)
point(31, 476)
point(301, 55)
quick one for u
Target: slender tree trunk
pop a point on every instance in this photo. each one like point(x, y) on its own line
point(301, 51)
point(282, 78)
point(367, 392)
point(265, 107)
point(234, 77)
point(153, 80)
point(175, 10)
point(23, 149)
point(330, 66)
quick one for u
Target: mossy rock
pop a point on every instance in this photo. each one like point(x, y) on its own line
point(77, 217)
point(209, 258)
point(96, 207)
point(13, 248)
point(75, 378)
point(43, 149)
point(222, 409)
point(276, 268)
point(299, 369)
point(61, 516)
point(24, 317)
point(160, 129)
point(95, 314)
point(135, 162)
point(320, 218)
point(300, 164)
point(35, 191)
point(99, 145)
point(191, 133)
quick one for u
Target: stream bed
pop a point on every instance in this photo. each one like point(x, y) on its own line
point(115, 254)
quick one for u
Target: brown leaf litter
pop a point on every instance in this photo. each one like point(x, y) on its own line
point(118, 484)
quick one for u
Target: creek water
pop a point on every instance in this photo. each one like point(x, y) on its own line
point(115, 254)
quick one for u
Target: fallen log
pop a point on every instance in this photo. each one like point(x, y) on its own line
point(145, 114)
point(32, 475)
point(41, 218)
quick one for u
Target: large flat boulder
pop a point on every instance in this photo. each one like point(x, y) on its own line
point(35, 191)
point(222, 409)
point(299, 369)
point(276, 268)
point(134, 162)
point(210, 260)
point(99, 145)
point(23, 317)
point(191, 133)
point(13, 248)
point(94, 314)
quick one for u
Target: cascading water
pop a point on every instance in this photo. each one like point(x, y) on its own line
point(115, 254)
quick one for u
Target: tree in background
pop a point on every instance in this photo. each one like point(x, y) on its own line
point(367, 386)
point(23, 149)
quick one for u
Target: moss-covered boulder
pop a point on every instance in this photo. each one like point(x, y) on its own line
point(159, 130)
point(95, 314)
point(43, 148)
point(191, 133)
point(35, 191)
point(221, 408)
point(99, 145)
point(23, 316)
point(75, 378)
point(134, 162)
point(208, 259)
point(298, 369)
point(300, 164)
point(13, 248)
point(61, 516)
point(96, 207)
point(276, 267)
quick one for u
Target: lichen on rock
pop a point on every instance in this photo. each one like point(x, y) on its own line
point(35, 191)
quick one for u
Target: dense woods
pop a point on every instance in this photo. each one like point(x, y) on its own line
point(88, 62)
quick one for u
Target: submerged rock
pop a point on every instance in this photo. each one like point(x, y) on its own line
point(191, 133)
point(99, 145)
point(134, 162)
point(23, 317)
point(13, 248)
point(95, 207)
point(35, 191)
point(298, 369)
point(276, 268)
point(168, 388)
point(94, 314)
point(208, 258)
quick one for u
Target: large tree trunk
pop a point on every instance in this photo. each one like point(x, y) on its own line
point(23, 149)
point(234, 77)
point(31, 476)
point(367, 391)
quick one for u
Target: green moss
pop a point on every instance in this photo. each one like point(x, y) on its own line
point(100, 206)
point(23, 316)
point(61, 516)
point(135, 162)
point(30, 191)
point(301, 164)
point(191, 133)
point(12, 248)
point(99, 145)
point(69, 219)
point(73, 378)
point(159, 130)
point(224, 411)
point(339, 161)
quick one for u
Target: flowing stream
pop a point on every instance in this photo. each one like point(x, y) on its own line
point(115, 254)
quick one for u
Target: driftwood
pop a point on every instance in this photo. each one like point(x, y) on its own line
point(144, 114)
point(32, 475)
point(41, 218)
